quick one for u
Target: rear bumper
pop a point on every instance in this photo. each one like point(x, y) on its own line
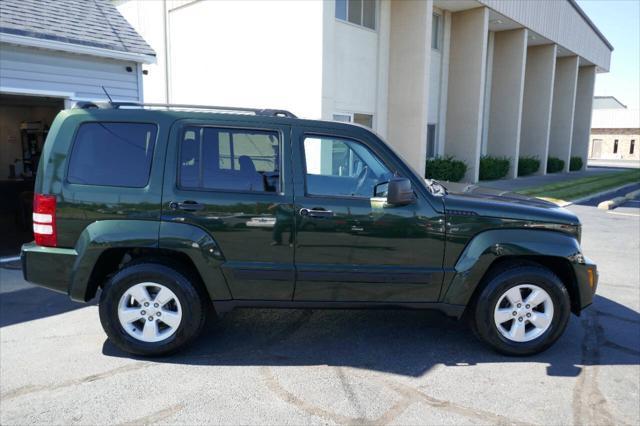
point(586, 274)
point(48, 267)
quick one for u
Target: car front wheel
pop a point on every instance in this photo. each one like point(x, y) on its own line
point(522, 310)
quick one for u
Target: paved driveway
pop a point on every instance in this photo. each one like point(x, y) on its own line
point(318, 367)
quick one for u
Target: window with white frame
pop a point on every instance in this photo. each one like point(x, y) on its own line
point(436, 31)
point(362, 119)
point(359, 12)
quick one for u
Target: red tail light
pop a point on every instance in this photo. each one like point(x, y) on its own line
point(44, 220)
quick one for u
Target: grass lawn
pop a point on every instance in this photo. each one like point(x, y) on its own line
point(578, 188)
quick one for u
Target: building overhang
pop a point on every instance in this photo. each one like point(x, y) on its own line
point(39, 43)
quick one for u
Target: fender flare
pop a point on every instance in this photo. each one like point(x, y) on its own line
point(491, 245)
point(101, 236)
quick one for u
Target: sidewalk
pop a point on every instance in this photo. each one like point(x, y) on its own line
point(531, 181)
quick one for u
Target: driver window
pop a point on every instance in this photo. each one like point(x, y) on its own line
point(341, 167)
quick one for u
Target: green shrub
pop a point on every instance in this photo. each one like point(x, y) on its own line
point(528, 165)
point(492, 168)
point(575, 163)
point(445, 169)
point(554, 165)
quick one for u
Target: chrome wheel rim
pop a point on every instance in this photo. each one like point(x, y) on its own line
point(149, 312)
point(523, 313)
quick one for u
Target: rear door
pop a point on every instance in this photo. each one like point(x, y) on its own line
point(232, 179)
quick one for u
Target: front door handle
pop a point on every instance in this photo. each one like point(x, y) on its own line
point(189, 206)
point(315, 212)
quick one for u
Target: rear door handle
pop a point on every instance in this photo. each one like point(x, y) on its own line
point(315, 212)
point(189, 206)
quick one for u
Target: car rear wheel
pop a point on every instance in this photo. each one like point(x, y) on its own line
point(151, 309)
point(522, 310)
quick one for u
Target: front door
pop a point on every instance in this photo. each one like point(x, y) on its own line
point(233, 180)
point(350, 246)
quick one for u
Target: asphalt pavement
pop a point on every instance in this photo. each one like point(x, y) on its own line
point(331, 367)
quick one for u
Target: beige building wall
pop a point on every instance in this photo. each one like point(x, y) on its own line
point(562, 111)
point(603, 142)
point(509, 57)
point(409, 48)
point(538, 97)
point(467, 67)
point(582, 115)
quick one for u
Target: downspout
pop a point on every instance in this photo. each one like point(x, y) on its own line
point(167, 55)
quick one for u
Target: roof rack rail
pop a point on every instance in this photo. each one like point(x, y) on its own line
point(255, 111)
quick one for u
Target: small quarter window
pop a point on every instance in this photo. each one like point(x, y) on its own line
point(230, 159)
point(112, 154)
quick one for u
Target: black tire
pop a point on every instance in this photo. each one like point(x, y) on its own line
point(193, 302)
point(499, 283)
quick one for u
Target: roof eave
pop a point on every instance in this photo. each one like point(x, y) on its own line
point(76, 48)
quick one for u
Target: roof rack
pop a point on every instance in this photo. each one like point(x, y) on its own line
point(223, 109)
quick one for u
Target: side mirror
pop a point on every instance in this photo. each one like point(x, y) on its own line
point(399, 192)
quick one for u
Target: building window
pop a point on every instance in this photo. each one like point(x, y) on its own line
point(361, 119)
point(343, 118)
point(632, 146)
point(615, 146)
point(436, 32)
point(359, 12)
point(431, 140)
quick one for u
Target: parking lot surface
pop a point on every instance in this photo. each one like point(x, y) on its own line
point(331, 367)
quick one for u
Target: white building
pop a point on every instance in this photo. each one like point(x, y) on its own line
point(615, 133)
point(434, 77)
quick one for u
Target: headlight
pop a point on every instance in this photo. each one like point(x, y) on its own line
point(573, 230)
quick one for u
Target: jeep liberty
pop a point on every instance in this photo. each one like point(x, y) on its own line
point(172, 214)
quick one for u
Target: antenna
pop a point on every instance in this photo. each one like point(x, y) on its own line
point(107, 93)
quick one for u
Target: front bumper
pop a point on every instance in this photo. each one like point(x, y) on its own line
point(49, 267)
point(586, 273)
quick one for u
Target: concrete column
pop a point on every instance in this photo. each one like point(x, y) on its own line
point(409, 48)
point(505, 117)
point(537, 102)
point(582, 114)
point(382, 107)
point(444, 83)
point(467, 62)
point(564, 100)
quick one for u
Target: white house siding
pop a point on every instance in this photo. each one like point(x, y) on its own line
point(261, 54)
point(559, 22)
point(354, 71)
point(79, 77)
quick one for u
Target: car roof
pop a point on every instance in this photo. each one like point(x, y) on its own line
point(173, 114)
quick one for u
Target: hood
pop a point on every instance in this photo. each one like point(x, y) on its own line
point(493, 202)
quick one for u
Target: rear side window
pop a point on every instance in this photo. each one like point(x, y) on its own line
point(112, 154)
point(230, 159)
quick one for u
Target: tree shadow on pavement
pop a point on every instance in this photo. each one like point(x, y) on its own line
point(398, 341)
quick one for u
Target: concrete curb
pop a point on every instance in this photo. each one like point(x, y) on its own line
point(615, 202)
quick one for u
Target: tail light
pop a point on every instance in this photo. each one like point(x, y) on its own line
point(44, 220)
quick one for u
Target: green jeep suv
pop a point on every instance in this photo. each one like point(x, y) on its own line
point(176, 214)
